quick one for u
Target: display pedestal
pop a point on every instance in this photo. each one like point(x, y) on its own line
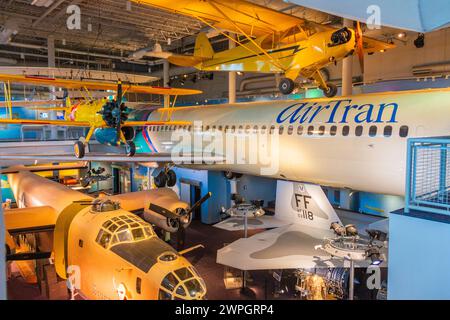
point(419, 256)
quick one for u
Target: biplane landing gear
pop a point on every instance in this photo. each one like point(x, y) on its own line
point(130, 148)
point(286, 86)
point(330, 91)
point(79, 150)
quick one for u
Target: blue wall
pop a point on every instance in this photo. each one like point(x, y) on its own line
point(257, 188)
point(419, 259)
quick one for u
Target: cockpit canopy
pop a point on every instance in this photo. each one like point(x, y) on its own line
point(183, 283)
point(123, 229)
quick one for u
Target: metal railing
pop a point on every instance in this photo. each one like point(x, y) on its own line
point(428, 175)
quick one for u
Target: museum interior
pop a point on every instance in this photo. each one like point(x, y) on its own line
point(224, 150)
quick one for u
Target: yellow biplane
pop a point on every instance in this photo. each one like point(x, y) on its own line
point(94, 113)
point(274, 42)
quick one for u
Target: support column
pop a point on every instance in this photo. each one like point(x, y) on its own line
point(347, 68)
point(52, 64)
point(231, 76)
point(2, 252)
point(166, 80)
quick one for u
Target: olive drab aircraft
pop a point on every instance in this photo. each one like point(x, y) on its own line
point(273, 42)
point(111, 252)
point(96, 114)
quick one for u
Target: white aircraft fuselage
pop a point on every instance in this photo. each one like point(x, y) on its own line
point(356, 142)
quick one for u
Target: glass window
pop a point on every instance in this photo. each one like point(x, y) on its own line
point(272, 129)
point(80, 243)
point(255, 129)
point(358, 131)
point(207, 128)
point(290, 130)
point(404, 131)
point(321, 130)
point(333, 130)
point(180, 291)
point(233, 129)
point(300, 130)
point(163, 295)
point(138, 285)
point(220, 128)
point(280, 130)
point(193, 287)
point(124, 236)
point(105, 238)
point(263, 129)
point(106, 224)
point(310, 130)
point(183, 273)
point(387, 131)
point(373, 131)
point(240, 129)
point(247, 129)
point(345, 131)
point(170, 282)
point(138, 234)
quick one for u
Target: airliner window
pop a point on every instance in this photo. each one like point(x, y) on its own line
point(272, 129)
point(263, 129)
point(333, 130)
point(290, 130)
point(345, 131)
point(220, 128)
point(373, 131)
point(233, 129)
point(310, 130)
point(170, 282)
point(300, 130)
point(321, 130)
point(247, 129)
point(404, 131)
point(358, 131)
point(387, 131)
point(281, 130)
point(189, 128)
point(226, 129)
point(255, 129)
point(240, 129)
point(207, 128)
point(214, 128)
point(183, 273)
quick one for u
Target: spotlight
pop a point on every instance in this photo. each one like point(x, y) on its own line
point(420, 41)
point(401, 35)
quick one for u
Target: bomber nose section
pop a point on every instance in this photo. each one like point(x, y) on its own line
point(182, 284)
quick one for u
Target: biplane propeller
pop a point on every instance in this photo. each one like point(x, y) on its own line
point(99, 115)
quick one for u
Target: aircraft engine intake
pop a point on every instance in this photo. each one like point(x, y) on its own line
point(339, 37)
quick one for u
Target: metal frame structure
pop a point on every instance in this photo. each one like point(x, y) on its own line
point(427, 179)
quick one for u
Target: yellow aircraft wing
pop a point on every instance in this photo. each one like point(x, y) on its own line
point(18, 220)
point(372, 45)
point(46, 122)
point(232, 15)
point(155, 123)
point(93, 85)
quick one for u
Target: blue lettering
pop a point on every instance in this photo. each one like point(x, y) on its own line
point(381, 111)
point(367, 113)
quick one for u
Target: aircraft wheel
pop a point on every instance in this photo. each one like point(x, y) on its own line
point(78, 148)
point(130, 148)
point(286, 86)
point(161, 180)
point(332, 90)
point(171, 178)
point(229, 175)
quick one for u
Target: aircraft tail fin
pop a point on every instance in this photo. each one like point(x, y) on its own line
point(304, 203)
point(203, 48)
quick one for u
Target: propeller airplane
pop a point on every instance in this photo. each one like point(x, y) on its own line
point(95, 114)
point(273, 42)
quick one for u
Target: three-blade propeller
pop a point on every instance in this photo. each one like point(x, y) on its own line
point(359, 45)
point(183, 213)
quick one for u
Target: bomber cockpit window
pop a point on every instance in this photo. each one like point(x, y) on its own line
point(183, 283)
point(123, 229)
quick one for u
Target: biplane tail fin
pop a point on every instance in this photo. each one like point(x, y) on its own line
point(203, 48)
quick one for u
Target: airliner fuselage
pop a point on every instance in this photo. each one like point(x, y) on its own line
point(354, 142)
